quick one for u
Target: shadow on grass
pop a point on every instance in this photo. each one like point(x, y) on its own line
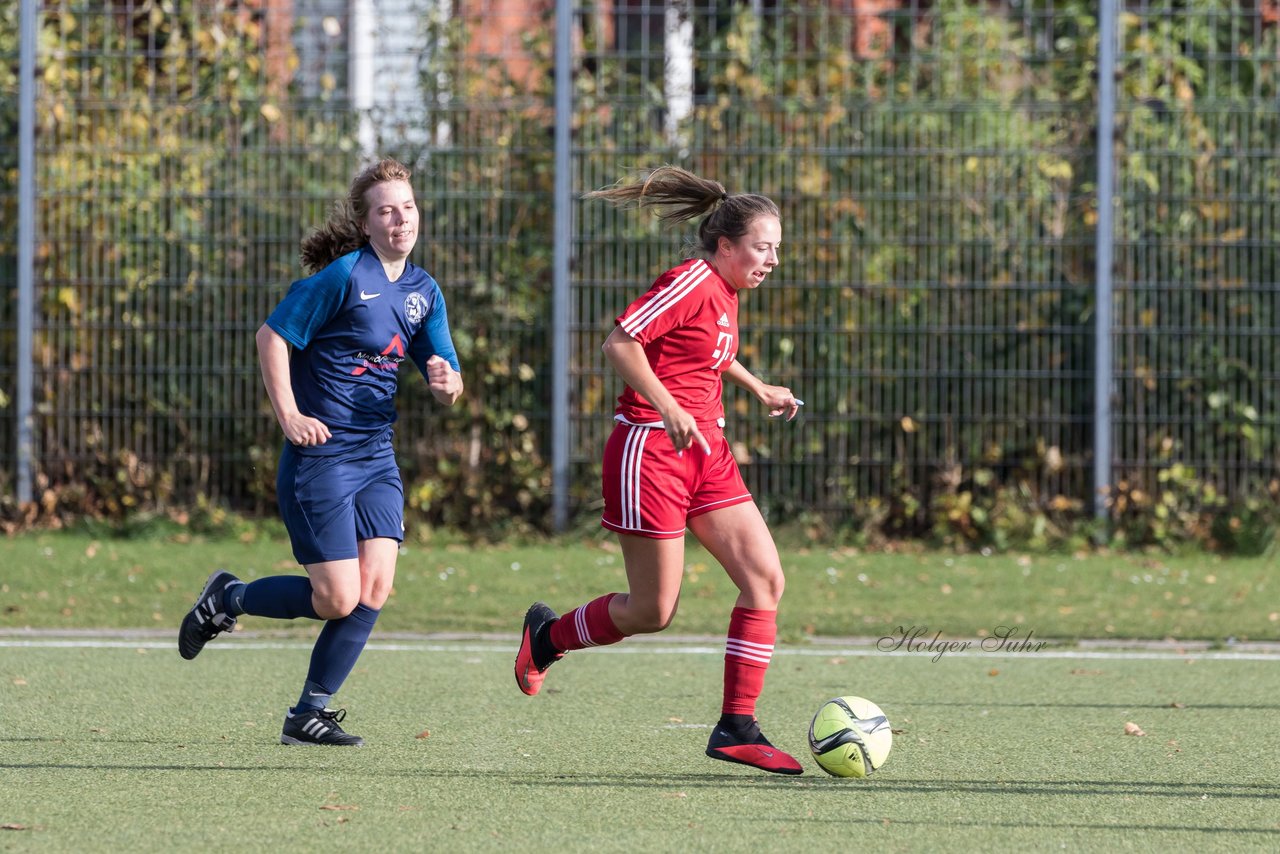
point(1186, 707)
point(1085, 788)
point(952, 824)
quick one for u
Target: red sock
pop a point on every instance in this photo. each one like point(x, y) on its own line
point(588, 625)
point(747, 653)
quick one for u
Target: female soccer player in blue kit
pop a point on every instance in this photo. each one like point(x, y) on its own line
point(350, 325)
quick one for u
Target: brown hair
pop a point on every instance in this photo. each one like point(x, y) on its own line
point(343, 231)
point(685, 196)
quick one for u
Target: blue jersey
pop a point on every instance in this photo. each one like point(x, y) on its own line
point(351, 329)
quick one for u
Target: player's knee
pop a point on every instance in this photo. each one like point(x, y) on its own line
point(777, 583)
point(377, 594)
point(335, 604)
point(653, 618)
point(765, 589)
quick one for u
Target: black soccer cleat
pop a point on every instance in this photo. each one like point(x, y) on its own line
point(206, 619)
point(318, 726)
point(536, 653)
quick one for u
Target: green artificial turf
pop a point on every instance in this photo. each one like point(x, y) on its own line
point(73, 581)
point(119, 745)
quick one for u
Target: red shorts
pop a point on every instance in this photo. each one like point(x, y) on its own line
point(651, 492)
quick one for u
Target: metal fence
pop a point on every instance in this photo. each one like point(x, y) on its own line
point(934, 162)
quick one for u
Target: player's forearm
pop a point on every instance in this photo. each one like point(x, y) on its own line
point(740, 376)
point(273, 357)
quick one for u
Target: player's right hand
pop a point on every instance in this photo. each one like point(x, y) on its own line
point(684, 433)
point(304, 431)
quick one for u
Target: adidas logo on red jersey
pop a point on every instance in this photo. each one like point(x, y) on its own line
point(724, 320)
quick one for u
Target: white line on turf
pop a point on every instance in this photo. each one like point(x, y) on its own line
point(652, 649)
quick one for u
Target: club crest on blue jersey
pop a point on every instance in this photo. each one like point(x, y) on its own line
point(415, 308)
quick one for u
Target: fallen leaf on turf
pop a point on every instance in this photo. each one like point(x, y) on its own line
point(13, 827)
point(1177, 705)
point(675, 720)
point(897, 731)
point(339, 807)
point(1080, 671)
point(19, 681)
point(993, 672)
point(426, 733)
point(1130, 728)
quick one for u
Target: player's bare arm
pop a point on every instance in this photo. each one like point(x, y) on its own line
point(778, 399)
point(628, 358)
point(273, 356)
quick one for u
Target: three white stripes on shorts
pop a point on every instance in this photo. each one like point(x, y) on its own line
point(760, 653)
point(632, 455)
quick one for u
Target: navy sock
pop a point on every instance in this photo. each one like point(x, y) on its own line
point(285, 597)
point(334, 655)
point(314, 696)
point(233, 598)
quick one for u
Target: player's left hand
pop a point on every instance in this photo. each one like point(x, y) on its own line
point(445, 383)
point(780, 401)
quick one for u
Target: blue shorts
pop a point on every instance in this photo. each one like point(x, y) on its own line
point(329, 503)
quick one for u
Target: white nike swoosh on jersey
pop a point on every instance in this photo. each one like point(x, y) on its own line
point(364, 295)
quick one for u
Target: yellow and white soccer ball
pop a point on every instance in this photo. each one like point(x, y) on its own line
point(850, 737)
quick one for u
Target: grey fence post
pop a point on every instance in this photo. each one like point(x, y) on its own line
point(562, 235)
point(24, 408)
point(1105, 239)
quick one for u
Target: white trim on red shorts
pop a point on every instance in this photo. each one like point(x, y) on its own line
point(703, 508)
point(646, 531)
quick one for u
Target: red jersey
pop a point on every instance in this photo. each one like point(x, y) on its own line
point(688, 324)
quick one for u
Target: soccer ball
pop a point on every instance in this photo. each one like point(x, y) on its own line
point(850, 737)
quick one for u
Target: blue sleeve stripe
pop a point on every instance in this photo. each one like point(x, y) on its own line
point(434, 337)
point(438, 331)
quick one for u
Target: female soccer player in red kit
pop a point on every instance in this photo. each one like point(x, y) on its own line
point(668, 466)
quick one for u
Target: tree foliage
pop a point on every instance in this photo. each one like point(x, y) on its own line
point(934, 306)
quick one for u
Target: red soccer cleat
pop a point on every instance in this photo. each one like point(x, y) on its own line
point(529, 675)
point(751, 748)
